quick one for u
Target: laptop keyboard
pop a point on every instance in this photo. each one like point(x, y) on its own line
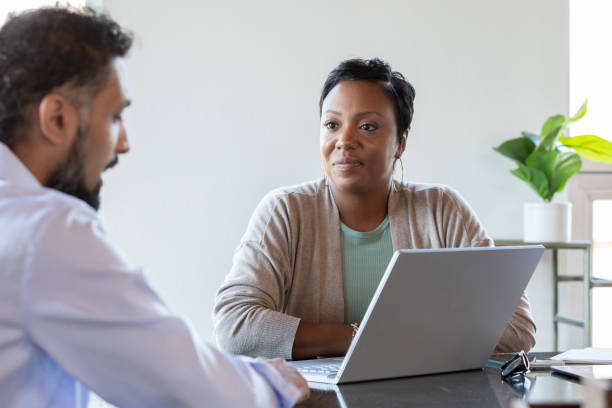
point(323, 366)
point(324, 370)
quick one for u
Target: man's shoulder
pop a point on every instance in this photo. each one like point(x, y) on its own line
point(65, 206)
point(29, 198)
point(43, 225)
point(68, 231)
point(45, 210)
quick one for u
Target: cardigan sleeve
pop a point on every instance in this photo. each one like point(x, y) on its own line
point(464, 229)
point(249, 306)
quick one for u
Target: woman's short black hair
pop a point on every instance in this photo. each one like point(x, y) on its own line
point(394, 84)
point(43, 49)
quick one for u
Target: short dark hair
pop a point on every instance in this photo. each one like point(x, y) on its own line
point(50, 47)
point(393, 83)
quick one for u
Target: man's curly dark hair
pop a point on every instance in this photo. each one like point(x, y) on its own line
point(43, 49)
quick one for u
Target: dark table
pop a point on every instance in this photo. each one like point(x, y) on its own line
point(475, 388)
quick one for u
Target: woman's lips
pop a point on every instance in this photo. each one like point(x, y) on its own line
point(346, 164)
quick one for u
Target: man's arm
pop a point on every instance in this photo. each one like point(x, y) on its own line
point(101, 322)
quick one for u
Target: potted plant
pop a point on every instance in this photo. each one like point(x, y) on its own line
point(546, 162)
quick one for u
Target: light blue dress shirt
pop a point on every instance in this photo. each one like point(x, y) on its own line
point(74, 316)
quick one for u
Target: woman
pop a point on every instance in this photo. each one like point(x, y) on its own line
point(313, 254)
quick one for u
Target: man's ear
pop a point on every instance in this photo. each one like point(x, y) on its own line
point(58, 119)
point(402, 145)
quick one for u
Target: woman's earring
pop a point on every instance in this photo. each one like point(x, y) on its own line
point(395, 185)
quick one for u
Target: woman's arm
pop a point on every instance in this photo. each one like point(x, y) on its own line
point(519, 333)
point(324, 339)
point(248, 318)
point(248, 313)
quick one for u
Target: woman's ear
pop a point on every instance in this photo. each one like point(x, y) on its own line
point(402, 145)
point(58, 119)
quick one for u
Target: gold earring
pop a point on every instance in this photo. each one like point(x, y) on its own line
point(395, 186)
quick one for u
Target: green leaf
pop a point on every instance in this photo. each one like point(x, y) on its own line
point(516, 149)
point(568, 164)
point(551, 130)
point(590, 146)
point(536, 179)
point(580, 112)
point(543, 161)
point(531, 136)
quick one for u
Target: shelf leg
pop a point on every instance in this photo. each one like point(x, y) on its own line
point(555, 270)
point(588, 300)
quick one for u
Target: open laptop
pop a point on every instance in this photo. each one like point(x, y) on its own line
point(435, 310)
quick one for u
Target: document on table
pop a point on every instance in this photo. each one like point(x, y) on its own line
point(589, 355)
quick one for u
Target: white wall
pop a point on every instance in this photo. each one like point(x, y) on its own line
point(225, 109)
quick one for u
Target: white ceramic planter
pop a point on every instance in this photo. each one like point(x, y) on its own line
point(547, 222)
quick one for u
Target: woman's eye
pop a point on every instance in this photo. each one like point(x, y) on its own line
point(117, 118)
point(331, 125)
point(369, 127)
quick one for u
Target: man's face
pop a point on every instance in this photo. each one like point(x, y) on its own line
point(98, 142)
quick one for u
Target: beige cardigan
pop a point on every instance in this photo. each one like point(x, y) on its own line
point(288, 264)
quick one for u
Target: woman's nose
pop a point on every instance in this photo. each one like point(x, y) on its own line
point(346, 139)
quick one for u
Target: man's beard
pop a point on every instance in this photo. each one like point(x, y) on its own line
point(69, 177)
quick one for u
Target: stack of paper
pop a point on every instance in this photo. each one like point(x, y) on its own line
point(589, 355)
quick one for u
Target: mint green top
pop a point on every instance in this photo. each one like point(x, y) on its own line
point(365, 256)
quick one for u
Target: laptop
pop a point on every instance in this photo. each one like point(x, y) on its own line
point(434, 311)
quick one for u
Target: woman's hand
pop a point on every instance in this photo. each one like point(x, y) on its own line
point(321, 339)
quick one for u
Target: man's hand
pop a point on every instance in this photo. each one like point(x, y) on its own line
point(290, 374)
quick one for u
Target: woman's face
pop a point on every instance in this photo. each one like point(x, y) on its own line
point(358, 137)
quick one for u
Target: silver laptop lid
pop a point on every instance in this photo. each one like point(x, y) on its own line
point(438, 310)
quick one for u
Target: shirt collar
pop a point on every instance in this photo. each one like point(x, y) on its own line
point(13, 170)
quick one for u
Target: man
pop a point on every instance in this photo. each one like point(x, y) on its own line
point(74, 315)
